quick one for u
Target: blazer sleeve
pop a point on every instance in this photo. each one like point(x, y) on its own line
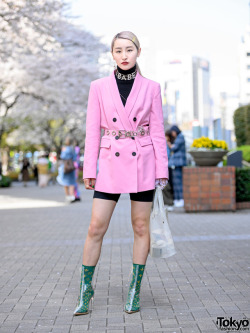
point(157, 134)
point(93, 134)
point(179, 141)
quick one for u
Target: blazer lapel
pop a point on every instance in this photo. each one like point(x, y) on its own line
point(125, 111)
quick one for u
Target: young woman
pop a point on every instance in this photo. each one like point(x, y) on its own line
point(132, 159)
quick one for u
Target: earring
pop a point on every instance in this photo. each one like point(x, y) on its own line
point(114, 65)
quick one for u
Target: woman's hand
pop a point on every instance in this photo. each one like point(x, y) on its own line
point(169, 144)
point(161, 182)
point(89, 183)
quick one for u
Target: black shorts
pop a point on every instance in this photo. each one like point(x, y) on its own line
point(144, 196)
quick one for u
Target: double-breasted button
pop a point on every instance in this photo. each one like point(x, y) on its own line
point(114, 119)
point(133, 153)
point(132, 138)
point(134, 119)
point(117, 154)
point(117, 137)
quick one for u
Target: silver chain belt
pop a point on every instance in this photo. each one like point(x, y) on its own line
point(140, 132)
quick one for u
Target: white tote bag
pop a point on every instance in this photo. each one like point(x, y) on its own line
point(161, 240)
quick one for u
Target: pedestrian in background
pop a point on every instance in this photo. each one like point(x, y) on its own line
point(176, 162)
point(168, 194)
point(35, 173)
point(67, 179)
point(25, 171)
point(43, 170)
point(77, 164)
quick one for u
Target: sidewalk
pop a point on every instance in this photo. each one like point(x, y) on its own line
point(41, 244)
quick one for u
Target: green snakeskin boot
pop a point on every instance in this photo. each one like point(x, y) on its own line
point(133, 299)
point(86, 290)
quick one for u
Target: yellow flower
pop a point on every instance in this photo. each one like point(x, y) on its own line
point(205, 142)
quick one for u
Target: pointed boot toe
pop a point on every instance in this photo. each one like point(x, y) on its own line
point(83, 305)
point(129, 309)
point(83, 308)
point(133, 299)
point(86, 291)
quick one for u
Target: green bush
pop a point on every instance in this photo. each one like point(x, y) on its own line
point(245, 152)
point(242, 125)
point(242, 184)
point(5, 181)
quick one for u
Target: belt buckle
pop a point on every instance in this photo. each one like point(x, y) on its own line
point(120, 133)
point(141, 130)
point(141, 133)
point(128, 134)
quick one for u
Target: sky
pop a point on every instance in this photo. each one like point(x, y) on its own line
point(211, 29)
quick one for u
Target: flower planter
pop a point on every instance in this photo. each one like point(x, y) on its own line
point(207, 157)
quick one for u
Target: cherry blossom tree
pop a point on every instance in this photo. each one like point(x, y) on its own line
point(44, 89)
point(27, 26)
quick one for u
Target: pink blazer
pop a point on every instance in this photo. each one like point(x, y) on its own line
point(126, 165)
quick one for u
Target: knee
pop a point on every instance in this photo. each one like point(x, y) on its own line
point(140, 227)
point(96, 229)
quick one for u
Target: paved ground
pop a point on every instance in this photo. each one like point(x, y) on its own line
point(41, 244)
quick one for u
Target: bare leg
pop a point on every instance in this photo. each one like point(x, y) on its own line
point(140, 215)
point(71, 189)
point(102, 211)
point(66, 189)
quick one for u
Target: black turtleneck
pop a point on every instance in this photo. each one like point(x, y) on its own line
point(125, 86)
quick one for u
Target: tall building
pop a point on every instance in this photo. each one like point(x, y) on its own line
point(244, 67)
point(201, 96)
point(185, 89)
